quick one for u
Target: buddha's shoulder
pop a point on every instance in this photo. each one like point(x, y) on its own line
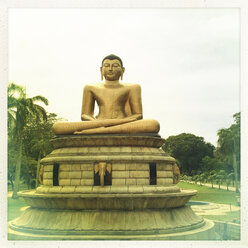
point(131, 85)
point(92, 85)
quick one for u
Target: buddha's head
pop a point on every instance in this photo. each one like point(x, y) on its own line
point(112, 68)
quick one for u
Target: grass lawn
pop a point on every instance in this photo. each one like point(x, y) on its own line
point(14, 206)
point(211, 195)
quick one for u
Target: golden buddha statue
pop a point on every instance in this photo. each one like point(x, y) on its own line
point(120, 107)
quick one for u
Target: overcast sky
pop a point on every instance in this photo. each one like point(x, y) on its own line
point(186, 61)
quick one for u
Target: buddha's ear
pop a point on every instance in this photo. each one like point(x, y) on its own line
point(122, 72)
point(101, 73)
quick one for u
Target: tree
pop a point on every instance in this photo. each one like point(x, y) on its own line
point(212, 177)
point(203, 177)
point(20, 109)
point(189, 179)
point(208, 164)
point(195, 178)
point(229, 146)
point(189, 150)
point(229, 178)
point(220, 177)
point(36, 139)
point(184, 178)
point(28, 171)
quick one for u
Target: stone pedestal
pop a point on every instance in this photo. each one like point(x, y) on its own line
point(132, 197)
point(129, 156)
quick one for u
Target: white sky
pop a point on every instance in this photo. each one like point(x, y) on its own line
point(186, 61)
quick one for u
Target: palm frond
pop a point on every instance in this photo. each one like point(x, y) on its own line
point(16, 89)
point(40, 99)
point(41, 111)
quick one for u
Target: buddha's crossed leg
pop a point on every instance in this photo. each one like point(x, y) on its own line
point(107, 126)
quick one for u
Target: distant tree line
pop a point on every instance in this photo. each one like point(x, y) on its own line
point(201, 161)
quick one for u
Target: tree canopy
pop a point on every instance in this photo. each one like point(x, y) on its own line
point(188, 150)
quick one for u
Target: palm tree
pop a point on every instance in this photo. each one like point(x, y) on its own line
point(20, 109)
point(204, 177)
point(189, 178)
point(229, 178)
point(184, 178)
point(195, 178)
point(220, 177)
point(201, 179)
point(212, 176)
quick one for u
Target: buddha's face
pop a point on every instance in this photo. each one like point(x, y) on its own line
point(111, 69)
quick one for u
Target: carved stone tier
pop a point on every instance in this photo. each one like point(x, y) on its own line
point(171, 224)
point(130, 158)
point(114, 140)
point(109, 201)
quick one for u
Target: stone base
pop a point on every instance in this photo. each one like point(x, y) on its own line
point(165, 224)
point(140, 201)
point(95, 200)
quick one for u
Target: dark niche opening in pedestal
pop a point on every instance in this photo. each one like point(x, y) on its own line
point(107, 178)
point(56, 174)
point(153, 173)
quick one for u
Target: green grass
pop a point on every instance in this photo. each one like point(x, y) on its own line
point(211, 195)
point(14, 206)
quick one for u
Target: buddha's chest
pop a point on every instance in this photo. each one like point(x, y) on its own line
point(106, 96)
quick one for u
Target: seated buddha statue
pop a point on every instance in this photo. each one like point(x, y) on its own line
point(120, 107)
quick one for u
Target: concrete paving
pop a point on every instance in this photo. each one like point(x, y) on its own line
point(212, 208)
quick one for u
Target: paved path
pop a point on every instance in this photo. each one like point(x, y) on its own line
point(212, 208)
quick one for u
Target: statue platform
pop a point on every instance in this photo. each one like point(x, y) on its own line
point(109, 187)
